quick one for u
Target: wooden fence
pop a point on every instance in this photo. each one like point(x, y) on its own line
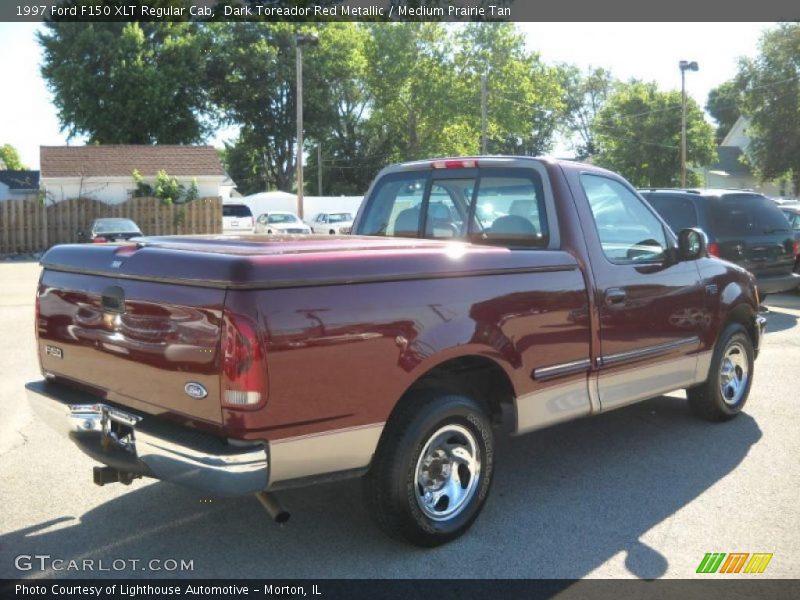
point(27, 226)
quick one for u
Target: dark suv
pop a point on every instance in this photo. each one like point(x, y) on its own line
point(743, 227)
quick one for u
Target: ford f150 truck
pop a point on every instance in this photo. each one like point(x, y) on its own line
point(476, 296)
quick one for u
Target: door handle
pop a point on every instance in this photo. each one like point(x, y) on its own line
point(614, 296)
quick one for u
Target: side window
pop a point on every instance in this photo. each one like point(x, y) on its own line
point(511, 209)
point(679, 213)
point(395, 208)
point(628, 231)
point(447, 208)
point(323, 218)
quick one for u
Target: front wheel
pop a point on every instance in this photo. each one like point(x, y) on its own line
point(723, 395)
point(433, 469)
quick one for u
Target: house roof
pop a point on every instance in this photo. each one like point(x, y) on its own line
point(729, 161)
point(20, 180)
point(121, 160)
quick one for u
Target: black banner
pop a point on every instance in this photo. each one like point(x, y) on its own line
point(398, 10)
point(440, 589)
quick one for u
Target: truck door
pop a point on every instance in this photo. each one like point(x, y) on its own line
point(651, 307)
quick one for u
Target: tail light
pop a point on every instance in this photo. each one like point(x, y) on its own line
point(468, 163)
point(795, 248)
point(713, 249)
point(244, 370)
point(99, 240)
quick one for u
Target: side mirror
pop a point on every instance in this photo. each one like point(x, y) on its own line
point(691, 244)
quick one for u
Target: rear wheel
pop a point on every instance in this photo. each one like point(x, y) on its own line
point(723, 395)
point(433, 469)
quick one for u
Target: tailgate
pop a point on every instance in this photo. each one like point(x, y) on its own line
point(138, 343)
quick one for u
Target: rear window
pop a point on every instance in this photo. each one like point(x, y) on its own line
point(281, 218)
point(493, 206)
point(745, 214)
point(236, 210)
point(678, 212)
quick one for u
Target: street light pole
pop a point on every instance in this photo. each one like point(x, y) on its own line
point(300, 41)
point(299, 160)
point(684, 65)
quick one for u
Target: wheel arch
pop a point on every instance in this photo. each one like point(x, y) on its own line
point(472, 374)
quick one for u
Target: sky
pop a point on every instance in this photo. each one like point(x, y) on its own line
point(648, 51)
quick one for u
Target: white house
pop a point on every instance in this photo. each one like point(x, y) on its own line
point(105, 172)
point(283, 201)
point(18, 184)
point(730, 172)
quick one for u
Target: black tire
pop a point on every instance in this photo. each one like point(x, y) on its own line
point(714, 401)
point(391, 486)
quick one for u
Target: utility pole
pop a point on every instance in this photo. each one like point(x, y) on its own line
point(484, 117)
point(684, 65)
point(319, 169)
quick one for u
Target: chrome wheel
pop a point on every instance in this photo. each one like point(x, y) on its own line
point(447, 472)
point(733, 374)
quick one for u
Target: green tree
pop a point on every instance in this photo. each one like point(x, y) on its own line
point(252, 81)
point(771, 101)
point(352, 146)
point(246, 162)
point(9, 158)
point(585, 94)
point(638, 134)
point(413, 87)
point(524, 96)
point(724, 106)
point(128, 83)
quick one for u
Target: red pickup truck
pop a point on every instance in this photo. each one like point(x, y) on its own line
point(477, 296)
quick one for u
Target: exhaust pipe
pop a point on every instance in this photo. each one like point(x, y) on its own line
point(273, 507)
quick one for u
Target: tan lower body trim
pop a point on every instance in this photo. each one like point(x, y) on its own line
point(553, 405)
point(641, 383)
point(322, 453)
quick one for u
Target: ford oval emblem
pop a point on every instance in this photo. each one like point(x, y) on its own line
point(195, 390)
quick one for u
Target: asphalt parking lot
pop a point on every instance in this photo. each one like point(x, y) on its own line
point(641, 492)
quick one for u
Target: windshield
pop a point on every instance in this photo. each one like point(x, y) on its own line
point(115, 226)
point(236, 210)
point(339, 217)
point(281, 218)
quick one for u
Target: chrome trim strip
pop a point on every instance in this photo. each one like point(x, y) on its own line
point(559, 370)
point(647, 352)
point(320, 453)
point(635, 384)
point(552, 405)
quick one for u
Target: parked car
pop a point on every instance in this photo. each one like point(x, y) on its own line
point(111, 230)
point(236, 218)
point(187, 359)
point(743, 227)
point(335, 223)
point(281, 222)
point(792, 213)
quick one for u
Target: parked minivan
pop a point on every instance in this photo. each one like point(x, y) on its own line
point(742, 227)
point(237, 218)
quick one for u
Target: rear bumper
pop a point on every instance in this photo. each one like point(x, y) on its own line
point(148, 446)
point(775, 285)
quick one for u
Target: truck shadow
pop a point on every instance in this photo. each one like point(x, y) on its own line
point(564, 501)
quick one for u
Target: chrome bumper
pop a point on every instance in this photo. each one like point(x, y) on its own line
point(148, 446)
